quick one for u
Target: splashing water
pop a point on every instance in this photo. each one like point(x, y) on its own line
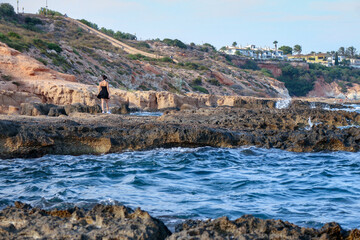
point(283, 103)
point(326, 107)
point(308, 189)
point(312, 105)
point(310, 124)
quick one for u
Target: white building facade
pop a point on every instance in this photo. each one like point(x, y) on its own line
point(252, 51)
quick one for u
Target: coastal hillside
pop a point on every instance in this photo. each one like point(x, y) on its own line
point(63, 45)
point(82, 49)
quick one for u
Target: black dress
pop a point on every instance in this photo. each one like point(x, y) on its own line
point(103, 93)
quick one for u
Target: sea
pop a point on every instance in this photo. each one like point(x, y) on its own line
point(176, 184)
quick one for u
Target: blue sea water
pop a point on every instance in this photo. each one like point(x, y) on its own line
point(308, 189)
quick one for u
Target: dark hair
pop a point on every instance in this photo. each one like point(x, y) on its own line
point(104, 77)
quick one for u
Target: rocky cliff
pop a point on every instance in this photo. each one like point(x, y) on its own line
point(63, 46)
point(25, 79)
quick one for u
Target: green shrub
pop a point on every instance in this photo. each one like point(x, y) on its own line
point(343, 87)
point(298, 81)
point(191, 65)
point(54, 46)
point(214, 81)
point(197, 81)
point(43, 61)
point(14, 43)
point(200, 89)
point(48, 12)
point(90, 72)
point(166, 59)
point(33, 21)
point(209, 46)
point(267, 72)
point(175, 43)
point(7, 11)
point(76, 52)
point(118, 35)
point(14, 35)
point(60, 61)
point(90, 24)
point(250, 64)
point(31, 24)
point(203, 68)
point(46, 45)
point(40, 43)
point(139, 57)
point(143, 44)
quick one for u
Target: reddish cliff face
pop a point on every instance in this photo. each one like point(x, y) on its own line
point(222, 78)
point(273, 67)
point(333, 90)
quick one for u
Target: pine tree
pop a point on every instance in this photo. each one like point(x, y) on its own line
point(336, 59)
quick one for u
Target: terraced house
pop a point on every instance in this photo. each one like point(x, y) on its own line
point(255, 52)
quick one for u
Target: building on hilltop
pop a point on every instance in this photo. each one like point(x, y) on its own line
point(326, 59)
point(252, 51)
point(320, 58)
point(355, 63)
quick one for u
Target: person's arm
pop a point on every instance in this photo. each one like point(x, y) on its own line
point(107, 86)
point(99, 87)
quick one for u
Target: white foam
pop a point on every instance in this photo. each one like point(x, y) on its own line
point(310, 125)
point(283, 103)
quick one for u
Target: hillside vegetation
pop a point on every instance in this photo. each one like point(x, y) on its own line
point(64, 46)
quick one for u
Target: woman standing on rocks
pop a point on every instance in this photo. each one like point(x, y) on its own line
point(104, 94)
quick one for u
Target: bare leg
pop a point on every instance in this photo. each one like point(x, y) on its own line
point(107, 104)
point(102, 105)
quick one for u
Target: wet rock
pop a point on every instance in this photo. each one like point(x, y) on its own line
point(101, 222)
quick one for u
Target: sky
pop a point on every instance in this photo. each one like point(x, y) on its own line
point(316, 25)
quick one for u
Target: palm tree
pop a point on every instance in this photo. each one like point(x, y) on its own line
point(275, 42)
point(234, 44)
point(297, 49)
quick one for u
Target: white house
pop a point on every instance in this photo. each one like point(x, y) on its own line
point(355, 63)
point(257, 53)
point(331, 60)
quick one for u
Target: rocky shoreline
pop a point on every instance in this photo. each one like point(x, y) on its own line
point(119, 222)
point(298, 128)
point(77, 130)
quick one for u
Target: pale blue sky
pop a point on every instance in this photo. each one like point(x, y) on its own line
point(317, 25)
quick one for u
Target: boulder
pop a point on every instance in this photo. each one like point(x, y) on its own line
point(35, 109)
point(102, 222)
point(57, 111)
point(187, 107)
point(250, 227)
point(82, 108)
point(123, 109)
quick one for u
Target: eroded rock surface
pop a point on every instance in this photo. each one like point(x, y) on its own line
point(102, 222)
point(119, 222)
point(294, 129)
point(249, 227)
